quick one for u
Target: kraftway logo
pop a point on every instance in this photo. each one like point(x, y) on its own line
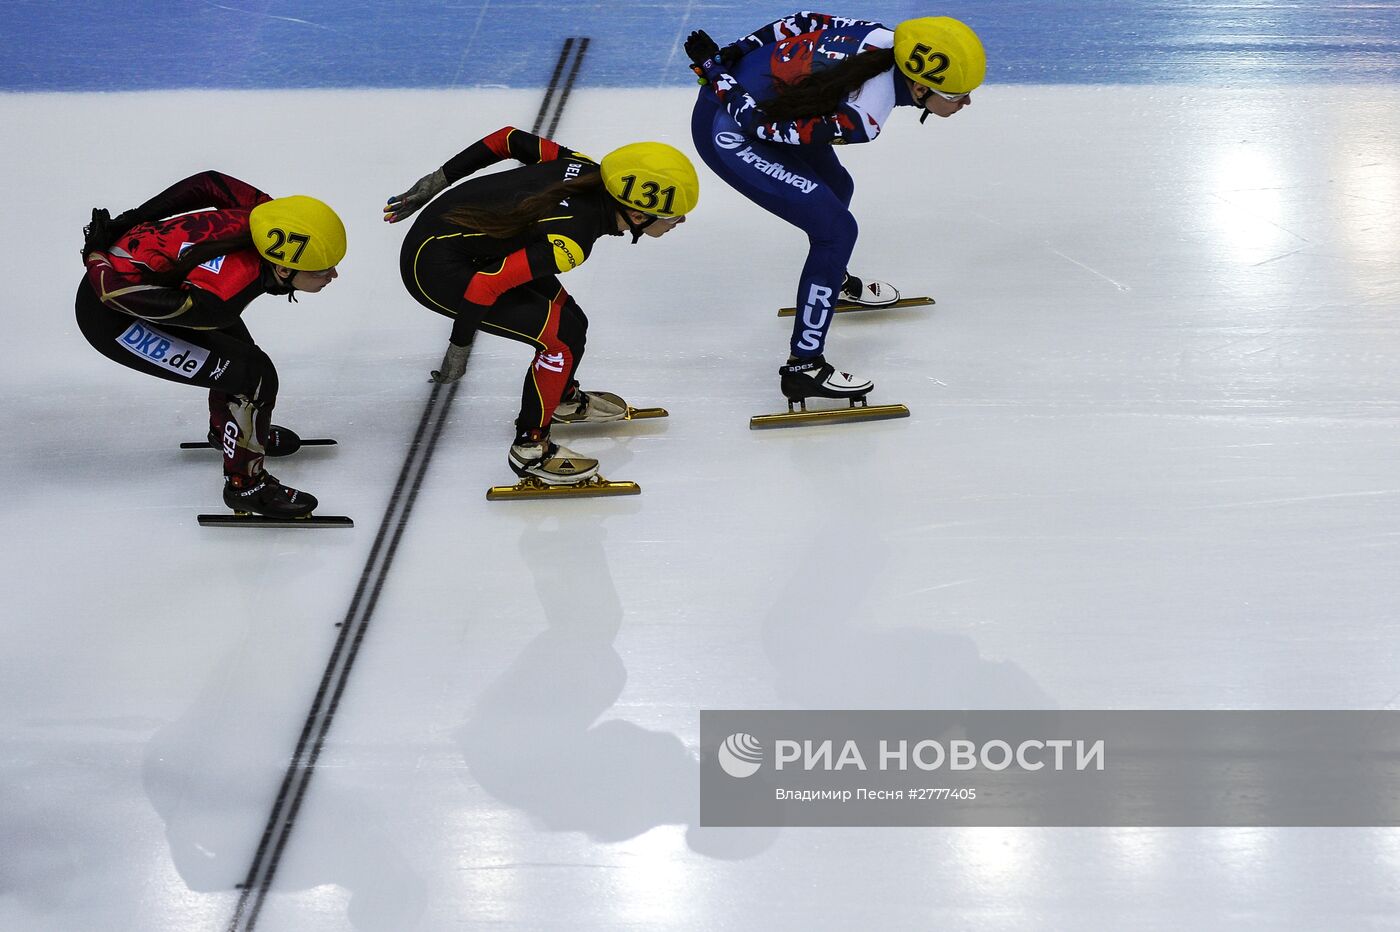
point(741, 755)
point(777, 170)
point(729, 140)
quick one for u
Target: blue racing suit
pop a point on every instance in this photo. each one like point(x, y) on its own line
point(789, 168)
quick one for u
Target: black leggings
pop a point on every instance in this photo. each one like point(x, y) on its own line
point(241, 379)
point(540, 314)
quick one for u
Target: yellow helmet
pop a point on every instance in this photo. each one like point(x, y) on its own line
point(652, 177)
point(941, 53)
point(298, 232)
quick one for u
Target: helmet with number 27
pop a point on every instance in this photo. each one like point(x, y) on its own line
point(298, 232)
point(652, 177)
point(941, 53)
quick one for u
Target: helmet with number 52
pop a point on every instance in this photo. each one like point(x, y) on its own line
point(940, 53)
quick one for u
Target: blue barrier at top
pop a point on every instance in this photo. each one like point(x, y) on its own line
point(87, 45)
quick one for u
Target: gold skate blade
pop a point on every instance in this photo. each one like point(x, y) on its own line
point(534, 488)
point(632, 414)
point(248, 519)
point(847, 307)
point(828, 416)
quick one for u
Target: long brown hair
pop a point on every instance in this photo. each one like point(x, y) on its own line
point(823, 91)
point(506, 221)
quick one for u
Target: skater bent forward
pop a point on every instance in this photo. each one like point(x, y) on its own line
point(164, 294)
point(487, 252)
point(773, 106)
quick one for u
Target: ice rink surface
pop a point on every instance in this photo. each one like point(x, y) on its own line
point(1151, 463)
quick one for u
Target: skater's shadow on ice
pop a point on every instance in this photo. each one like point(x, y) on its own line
point(833, 645)
point(535, 742)
point(208, 776)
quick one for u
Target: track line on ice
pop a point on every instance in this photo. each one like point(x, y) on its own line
point(1092, 271)
point(282, 819)
point(285, 19)
point(1370, 493)
point(467, 46)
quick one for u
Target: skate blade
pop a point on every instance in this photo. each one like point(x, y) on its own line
point(534, 488)
point(828, 416)
point(206, 445)
point(248, 519)
point(632, 414)
point(847, 307)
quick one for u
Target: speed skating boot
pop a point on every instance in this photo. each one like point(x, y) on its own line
point(580, 407)
point(817, 378)
point(535, 456)
point(264, 495)
point(868, 292)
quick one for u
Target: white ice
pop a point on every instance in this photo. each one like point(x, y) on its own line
point(1152, 463)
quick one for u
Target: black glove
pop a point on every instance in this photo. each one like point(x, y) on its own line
point(729, 55)
point(701, 50)
point(700, 47)
point(103, 230)
point(98, 235)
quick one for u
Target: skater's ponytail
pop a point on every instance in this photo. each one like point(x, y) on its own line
point(196, 256)
point(506, 221)
point(824, 91)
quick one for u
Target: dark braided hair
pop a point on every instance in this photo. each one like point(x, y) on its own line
point(823, 91)
point(197, 255)
point(504, 222)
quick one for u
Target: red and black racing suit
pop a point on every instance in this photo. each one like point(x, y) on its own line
point(509, 286)
point(189, 330)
